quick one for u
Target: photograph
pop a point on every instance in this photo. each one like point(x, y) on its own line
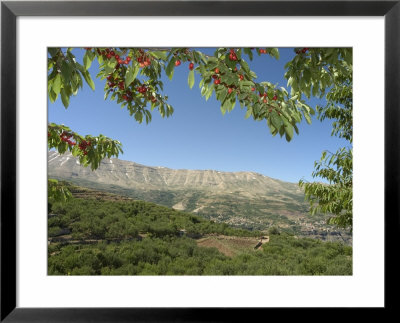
point(200, 161)
point(189, 161)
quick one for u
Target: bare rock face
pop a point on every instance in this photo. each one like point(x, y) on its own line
point(132, 175)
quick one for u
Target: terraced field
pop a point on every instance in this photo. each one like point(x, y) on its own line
point(231, 246)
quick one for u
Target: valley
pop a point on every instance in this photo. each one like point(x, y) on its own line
point(242, 199)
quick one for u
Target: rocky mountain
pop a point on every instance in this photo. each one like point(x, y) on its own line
point(243, 199)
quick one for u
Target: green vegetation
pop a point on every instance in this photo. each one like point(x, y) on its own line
point(330, 74)
point(98, 219)
point(98, 237)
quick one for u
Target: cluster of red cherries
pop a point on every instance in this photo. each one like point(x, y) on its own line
point(115, 82)
point(83, 146)
point(143, 60)
point(65, 136)
point(232, 55)
point(304, 50)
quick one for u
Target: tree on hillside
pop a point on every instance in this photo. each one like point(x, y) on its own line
point(329, 72)
point(133, 79)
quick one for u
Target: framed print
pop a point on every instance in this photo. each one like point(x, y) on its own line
point(37, 284)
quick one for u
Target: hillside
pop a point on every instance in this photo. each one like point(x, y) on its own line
point(99, 233)
point(242, 199)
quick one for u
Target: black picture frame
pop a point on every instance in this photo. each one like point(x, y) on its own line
point(10, 10)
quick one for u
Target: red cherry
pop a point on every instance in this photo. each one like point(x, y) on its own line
point(112, 53)
point(217, 81)
point(178, 62)
point(253, 88)
point(191, 66)
point(120, 61)
point(128, 58)
point(217, 70)
point(265, 100)
point(241, 77)
point(230, 90)
point(275, 97)
point(116, 56)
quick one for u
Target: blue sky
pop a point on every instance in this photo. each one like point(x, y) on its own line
point(197, 135)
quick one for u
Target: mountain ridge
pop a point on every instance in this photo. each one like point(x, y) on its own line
point(159, 176)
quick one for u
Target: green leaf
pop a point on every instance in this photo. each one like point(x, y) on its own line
point(296, 129)
point(159, 55)
point(52, 96)
point(209, 92)
point(88, 80)
point(223, 110)
point(227, 106)
point(274, 52)
point(249, 53)
point(57, 85)
point(288, 132)
point(249, 112)
point(170, 68)
point(191, 78)
point(245, 66)
point(64, 98)
point(53, 51)
point(276, 119)
point(87, 60)
point(307, 75)
point(66, 72)
point(131, 74)
point(315, 90)
point(308, 118)
point(221, 93)
point(296, 116)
